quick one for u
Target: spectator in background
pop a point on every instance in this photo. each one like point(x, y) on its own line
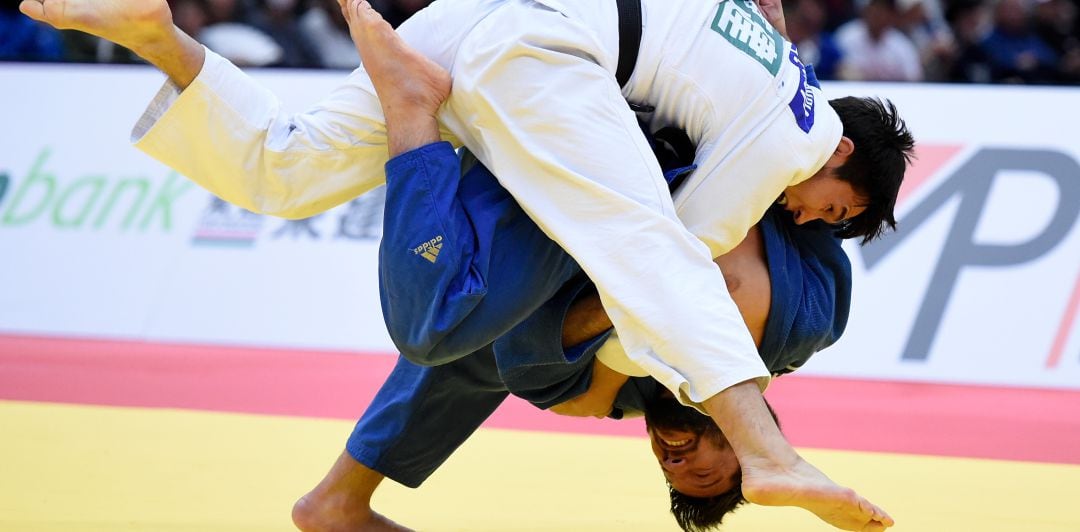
point(1016, 53)
point(231, 34)
point(837, 13)
point(280, 20)
point(22, 39)
point(971, 22)
point(191, 16)
point(220, 11)
point(396, 11)
point(325, 27)
point(923, 22)
point(1055, 23)
point(806, 28)
point(873, 49)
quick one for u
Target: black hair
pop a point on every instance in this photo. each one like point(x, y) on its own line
point(884, 148)
point(699, 514)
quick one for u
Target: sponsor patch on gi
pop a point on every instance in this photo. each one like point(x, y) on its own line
point(740, 22)
point(802, 104)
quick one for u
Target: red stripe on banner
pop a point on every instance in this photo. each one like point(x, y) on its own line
point(1067, 321)
point(928, 160)
point(917, 418)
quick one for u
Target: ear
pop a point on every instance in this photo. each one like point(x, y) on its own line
point(845, 148)
point(840, 155)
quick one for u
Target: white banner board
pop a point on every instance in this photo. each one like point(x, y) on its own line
point(100, 240)
point(981, 284)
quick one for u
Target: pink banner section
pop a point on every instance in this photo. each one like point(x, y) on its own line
point(949, 420)
point(929, 158)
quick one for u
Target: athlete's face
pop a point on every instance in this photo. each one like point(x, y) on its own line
point(825, 196)
point(694, 455)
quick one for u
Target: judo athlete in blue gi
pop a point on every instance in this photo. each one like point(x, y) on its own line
point(437, 302)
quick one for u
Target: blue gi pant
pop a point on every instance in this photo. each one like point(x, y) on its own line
point(422, 414)
point(440, 251)
point(445, 240)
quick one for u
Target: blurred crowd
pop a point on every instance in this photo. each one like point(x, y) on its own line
point(975, 41)
point(261, 33)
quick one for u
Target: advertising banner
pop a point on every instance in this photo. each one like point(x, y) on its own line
point(100, 240)
point(980, 284)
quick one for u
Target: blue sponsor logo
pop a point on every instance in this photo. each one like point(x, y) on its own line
point(802, 104)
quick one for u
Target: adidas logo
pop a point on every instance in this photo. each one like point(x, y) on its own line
point(430, 249)
point(432, 254)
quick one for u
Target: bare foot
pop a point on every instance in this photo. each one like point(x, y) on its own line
point(803, 485)
point(125, 22)
point(342, 501)
point(312, 514)
point(410, 86)
point(143, 26)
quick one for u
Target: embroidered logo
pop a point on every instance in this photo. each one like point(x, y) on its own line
point(430, 249)
point(802, 104)
point(740, 22)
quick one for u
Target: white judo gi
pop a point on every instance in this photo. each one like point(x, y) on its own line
point(535, 98)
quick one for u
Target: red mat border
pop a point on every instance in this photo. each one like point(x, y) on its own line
point(915, 418)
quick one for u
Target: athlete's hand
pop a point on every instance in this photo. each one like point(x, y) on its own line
point(774, 13)
point(130, 23)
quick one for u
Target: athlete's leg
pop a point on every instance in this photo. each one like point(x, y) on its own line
point(419, 417)
point(445, 235)
point(459, 263)
point(342, 501)
point(410, 87)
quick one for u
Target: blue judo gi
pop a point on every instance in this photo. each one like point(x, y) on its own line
point(474, 296)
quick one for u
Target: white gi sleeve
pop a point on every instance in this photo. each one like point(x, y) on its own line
point(229, 134)
point(612, 354)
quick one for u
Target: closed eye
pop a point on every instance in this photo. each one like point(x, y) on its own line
point(840, 219)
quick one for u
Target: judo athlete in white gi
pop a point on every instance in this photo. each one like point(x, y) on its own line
point(535, 98)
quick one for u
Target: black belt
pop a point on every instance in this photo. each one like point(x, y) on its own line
point(629, 38)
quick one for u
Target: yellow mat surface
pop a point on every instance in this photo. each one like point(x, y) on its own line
point(86, 468)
